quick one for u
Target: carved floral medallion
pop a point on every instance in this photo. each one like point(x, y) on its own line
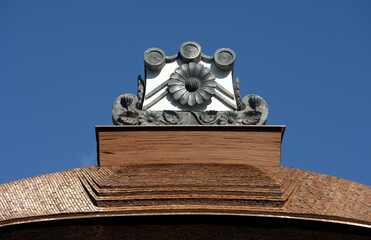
point(192, 84)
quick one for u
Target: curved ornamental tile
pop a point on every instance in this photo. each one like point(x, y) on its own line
point(189, 88)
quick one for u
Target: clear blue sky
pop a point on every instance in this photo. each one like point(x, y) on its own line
point(63, 63)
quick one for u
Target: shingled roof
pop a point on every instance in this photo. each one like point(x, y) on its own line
point(185, 188)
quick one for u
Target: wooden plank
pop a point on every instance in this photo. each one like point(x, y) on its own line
point(255, 145)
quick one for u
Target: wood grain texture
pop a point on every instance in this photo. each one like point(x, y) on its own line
point(240, 145)
point(185, 189)
point(188, 184)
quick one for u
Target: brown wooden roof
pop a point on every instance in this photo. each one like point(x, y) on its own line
point(185, 188)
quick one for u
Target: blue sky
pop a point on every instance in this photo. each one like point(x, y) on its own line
point(63, 63)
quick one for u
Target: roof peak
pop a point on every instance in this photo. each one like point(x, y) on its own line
point(189, 88)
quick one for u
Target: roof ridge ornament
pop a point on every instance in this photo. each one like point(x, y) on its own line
point(189, 88)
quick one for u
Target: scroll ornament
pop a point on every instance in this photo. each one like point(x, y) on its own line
point(195, 80)
point(125, 111)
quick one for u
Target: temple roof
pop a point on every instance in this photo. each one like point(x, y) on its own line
point(185, 189)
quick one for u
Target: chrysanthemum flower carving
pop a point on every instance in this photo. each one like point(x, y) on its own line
point(150, 118)
point(192, 84)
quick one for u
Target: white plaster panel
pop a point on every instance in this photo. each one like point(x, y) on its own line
point(155, 78)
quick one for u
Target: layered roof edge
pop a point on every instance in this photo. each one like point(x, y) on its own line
point(232, 189)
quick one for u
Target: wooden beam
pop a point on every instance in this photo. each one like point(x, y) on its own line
point(254, 145)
